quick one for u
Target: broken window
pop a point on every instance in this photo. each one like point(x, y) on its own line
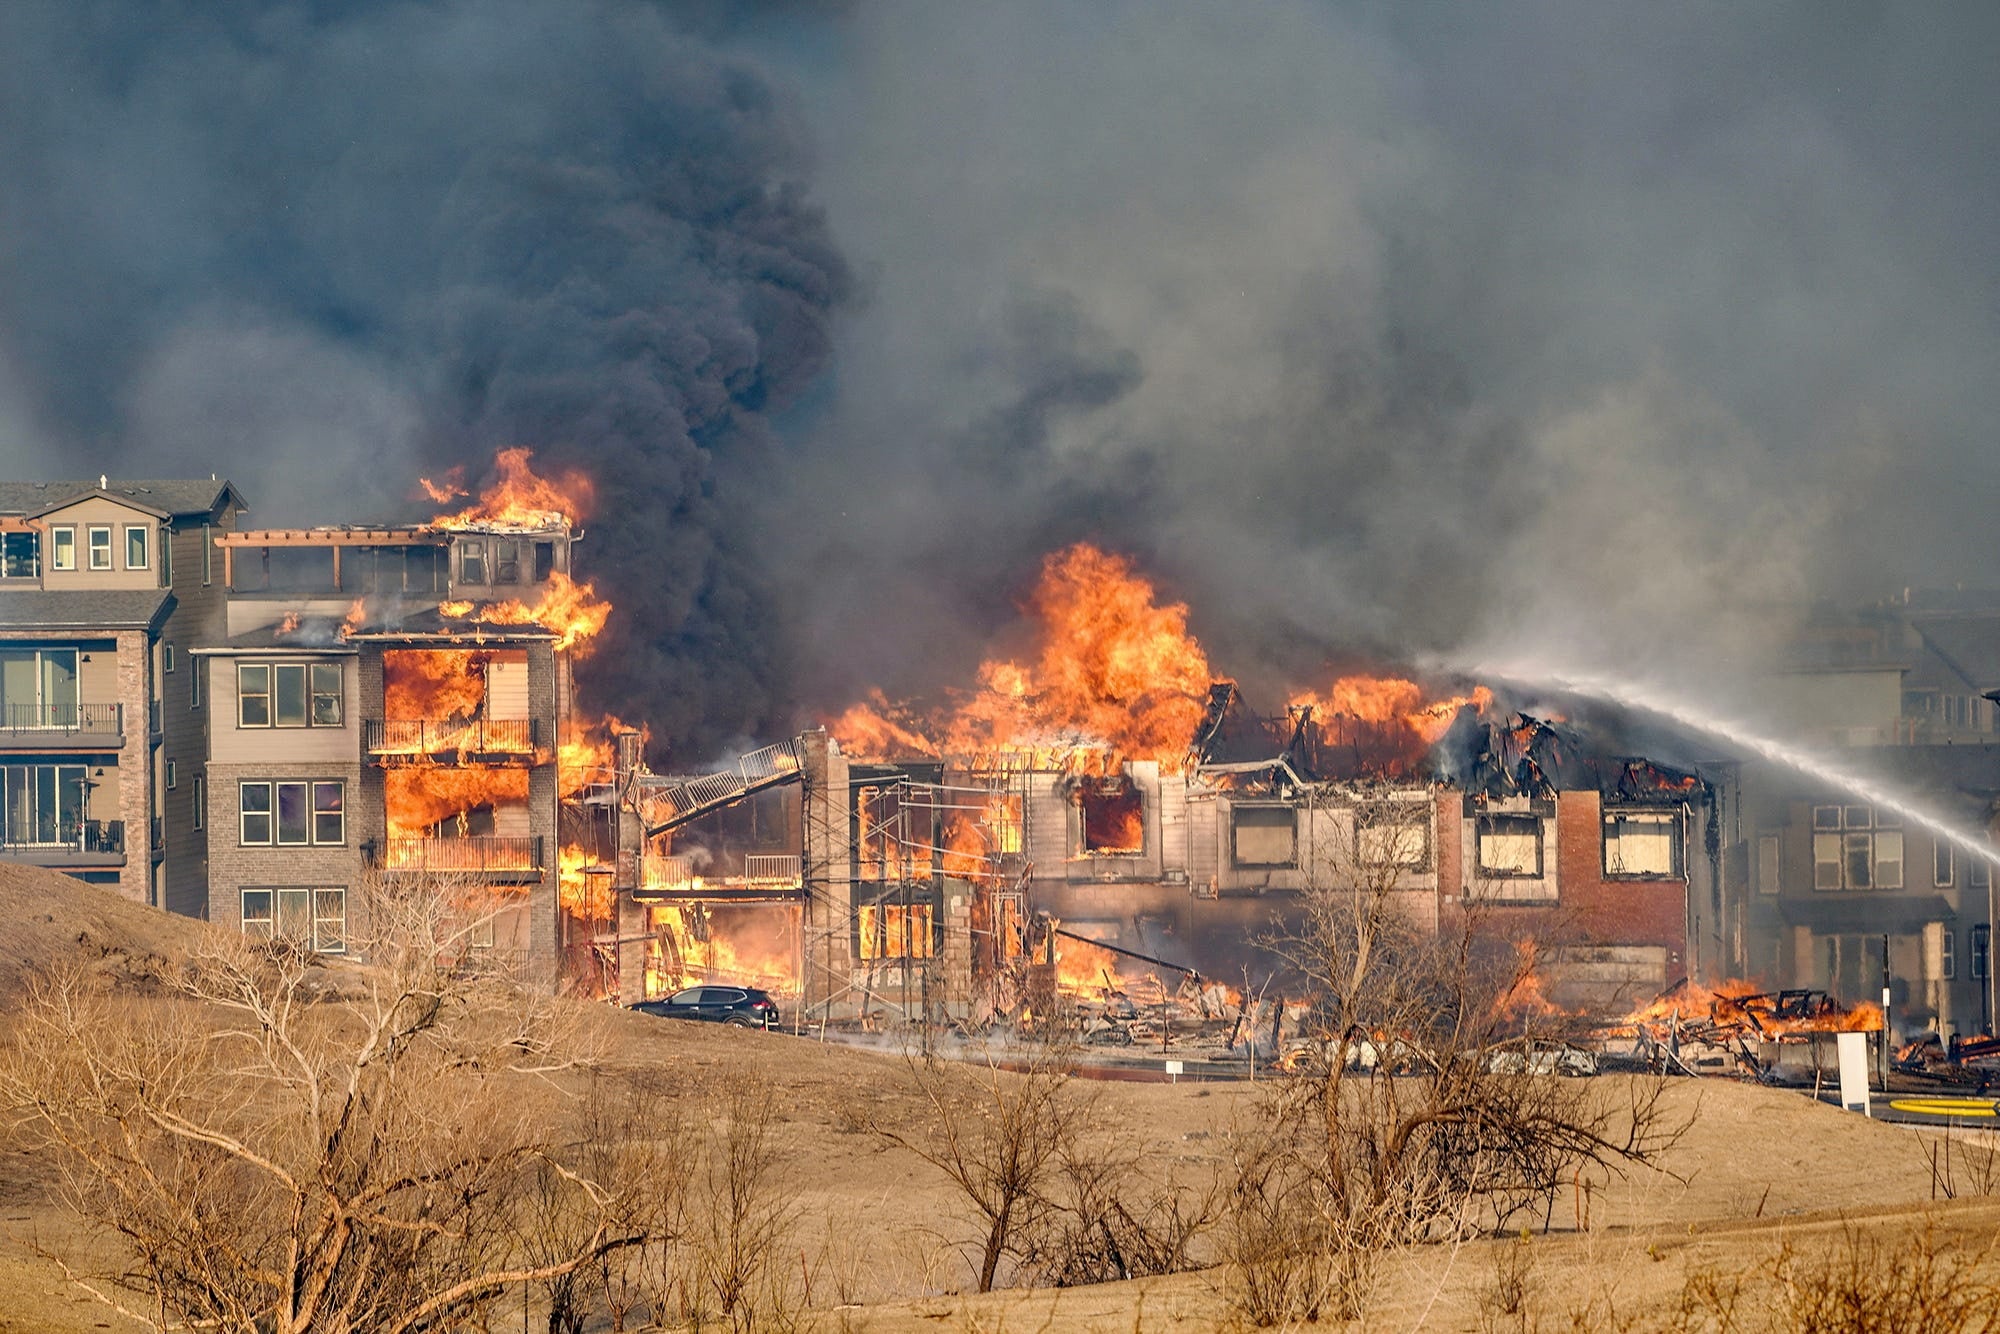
point(288, 694)
point(1392, 839)
point(1114, 817)
point(1264, 836)
point(545, 561)
point(1510, 845)
point(896, 931)
point(1642, 843)
point(1857, 847)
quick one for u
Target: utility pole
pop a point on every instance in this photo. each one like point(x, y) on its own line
point(1885, 1014)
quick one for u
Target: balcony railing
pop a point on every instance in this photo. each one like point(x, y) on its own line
point(62, 719)
point(477, 855)
point(81, 840)
point(431, 738)
point(669, 875)
point(771, 869)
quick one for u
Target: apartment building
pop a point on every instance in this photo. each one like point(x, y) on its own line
point(104, 589)
point(382, 704)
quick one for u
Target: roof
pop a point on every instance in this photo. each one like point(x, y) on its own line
point(1967, 646)
point(105, 609)
point(428, 624)
point(163, 497)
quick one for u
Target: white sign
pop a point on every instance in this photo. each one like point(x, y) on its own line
point(1174, 1069)
point(1853, 1049)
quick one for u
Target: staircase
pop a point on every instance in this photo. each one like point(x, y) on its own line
point(668, 803)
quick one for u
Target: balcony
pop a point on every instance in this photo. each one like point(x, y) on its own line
point(87, 844)
point(482, 741)
point(763, 878)
point(62, 726)
point(488, 856)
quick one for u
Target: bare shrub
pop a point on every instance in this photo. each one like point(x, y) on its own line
point(999, 1138)
point(1410, 1112)
point(1508, 1303)
point(1109, 1218)
point(290, 1144)
point(1869, 1287)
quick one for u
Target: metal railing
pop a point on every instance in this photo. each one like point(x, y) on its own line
point(477, 855)
point(445, 736)
point(72, 718)
point(669, 874)
point(82, 836)
point(666, 802)
point(771, 868)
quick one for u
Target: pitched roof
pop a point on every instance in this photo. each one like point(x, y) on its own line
point(166, 497)
point(95, 609)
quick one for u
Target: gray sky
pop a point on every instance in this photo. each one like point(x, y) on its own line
point(1599, 332)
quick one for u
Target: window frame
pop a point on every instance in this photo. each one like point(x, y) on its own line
point(1480, 828)
point(166, 657)
point(200, 785)
point(243, 813)
point(62, 547)
point(330, 705)
point(1948, 955)
point(144, 532)
point(1849, 847)
point(1260, 811)
point(91, 549)
point(326, 931)
point(173, 775)
point(471, 558)
point(1640, 815)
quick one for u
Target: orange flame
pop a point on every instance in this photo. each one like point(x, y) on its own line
point(1114, 670)
point(1737, 1002)
point(1394, 720)
point(518, 495)
point(572, 610)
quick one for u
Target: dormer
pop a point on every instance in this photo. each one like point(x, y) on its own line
point(491, 560)
point(100, 540)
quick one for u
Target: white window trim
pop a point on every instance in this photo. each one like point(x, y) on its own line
point(200, 784)
point(173, 774)
point(276, 840)
point(166, 658)
point(57, 533)
point(145, 546)
point(91, 548)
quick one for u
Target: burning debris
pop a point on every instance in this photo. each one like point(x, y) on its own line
point(1734, 1028)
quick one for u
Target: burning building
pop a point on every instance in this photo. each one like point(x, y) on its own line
point(1108, 813)
point(396, 701)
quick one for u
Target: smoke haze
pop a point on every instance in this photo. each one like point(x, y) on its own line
point(1601, 332)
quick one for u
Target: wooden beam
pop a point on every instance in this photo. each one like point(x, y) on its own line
point(326, 537)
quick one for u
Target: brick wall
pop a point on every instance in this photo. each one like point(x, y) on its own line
point(135, 763)
point(1621, 911)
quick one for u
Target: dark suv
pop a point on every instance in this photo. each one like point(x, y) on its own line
point(745, 1007)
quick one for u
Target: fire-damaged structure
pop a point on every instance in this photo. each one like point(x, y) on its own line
point(964, 887)
point(388, 700)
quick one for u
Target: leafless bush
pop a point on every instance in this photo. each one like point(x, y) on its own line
point(1869, 1287)
point(1396, 1124)
point(1109, 1218)
point(1961, 1166)
point(289, 1145)
point(999, 1137)
point(1508, 1303)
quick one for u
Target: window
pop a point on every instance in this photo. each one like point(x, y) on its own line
point(200, 801)
point(1948, 955)
point(1510, 845)
point(19, 555)
point(326, 694)
point(1978, 872)
point(207, 556)
point(166, 557)
point(292, 812)
point(1394, 840)
point(472, 560)
point(45, 805)
point(194, 683)
point(288, 694)
point(506, 560)
point(1114, 817)
point(170, 775)
point(896, 931)
point(1642, 843)
point(253, 695)
point(1264, 836)
point(1981, 947)
point(1767, 864)
point(1941, 868)
point(314, 917)
point(99, 538)
point(166, 658)
point(38, 687)
point(62, 548)
point(137, 541)
point(254, 805)
point(1856, 847)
